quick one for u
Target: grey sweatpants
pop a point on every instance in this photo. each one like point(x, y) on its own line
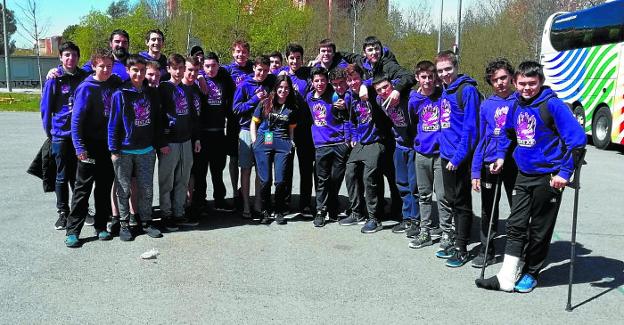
point(174, 172)
point(429, 176)
point(143, 167)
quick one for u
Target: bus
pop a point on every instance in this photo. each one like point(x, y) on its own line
point(583, 58)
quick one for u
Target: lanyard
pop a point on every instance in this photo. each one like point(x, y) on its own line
point(272, 119)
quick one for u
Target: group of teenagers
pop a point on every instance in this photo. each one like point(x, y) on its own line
point(357, 117)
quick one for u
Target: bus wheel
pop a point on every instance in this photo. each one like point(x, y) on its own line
point(601, 128)
point(579, 113)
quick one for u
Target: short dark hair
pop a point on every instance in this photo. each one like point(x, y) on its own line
point(380, 79)
point(119, 32)
point(276, 54)
point(294, 48)
point(134, 59)
point(327, 43)
point(338, 73)
point(446, 55)
point(424, 66)
point(211, 56)
point(371, 41)
point(530, 69)
point(193, 60)
point(318, 71)
point(152, 64)
point(263, 60)
point(101, 54)
point(196, 49)
point(497, 64)
point(69, 46)
point(354, 68)
point(242, 43)
point(154, 31)
point(175, 58)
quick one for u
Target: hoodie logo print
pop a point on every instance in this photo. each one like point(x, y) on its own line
point(397, 116)
point(430, 117)
point(214, 93)
point(107, 101)
point(319, 112)
point(499, 118)
point(197, 104)
point(525, 129)
point(239, 80)
point(445, 120)
point(142, 112)
point(181, 105)
point(65, 89)
point(364, 112)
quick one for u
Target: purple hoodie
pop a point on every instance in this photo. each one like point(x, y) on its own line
point(326, 129)
point(238, 73)
point(492, 119)
point(245, 99)
point(426, 115)
point(119, 69)
point(57, 101)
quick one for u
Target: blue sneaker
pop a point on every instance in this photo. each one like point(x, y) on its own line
point(458, 259)
point(104, 235)
point(371, 226)
point(445, 253)
point(72, 241)
point(526, 284)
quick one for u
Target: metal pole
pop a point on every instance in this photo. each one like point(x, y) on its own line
point(458, 31)
point(440, 29)
point(329, 18)
point(354, 4)
point(7, 66)
point(188, 35)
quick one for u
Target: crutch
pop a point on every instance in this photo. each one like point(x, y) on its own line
point(579, 160)
point(489, 232)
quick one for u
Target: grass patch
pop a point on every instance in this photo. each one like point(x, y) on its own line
point(17, 102)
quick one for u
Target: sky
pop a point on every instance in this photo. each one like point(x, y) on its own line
point(58, 14)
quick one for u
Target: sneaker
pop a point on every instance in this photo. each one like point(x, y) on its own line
point(187, 222)
point(279, 218)
point(446, 241)
point(343, 215)
point(307, 210)
point(436, 233)
point(124, 232)
point(170, 224)
point(413, 230)
point(351, 220)
point(72, 241)
point(458, 259)
point(371, 226)
point(526, 284)
point(222, 205)
point(478, 261)
point(104, 235)
point(319, 219)
point(402, 226)
point(112, 226)
point(423, 240)
point(134, 220)
point(89, 220)
point(61, 222)
point(266, 218)
point(445, 253)
point(151, 230)
point(246, 215)
point(333, 217)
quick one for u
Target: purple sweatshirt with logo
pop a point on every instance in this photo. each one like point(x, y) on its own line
point(425, 111)
point(327, 129)
point(245, 99)
point(57, 101)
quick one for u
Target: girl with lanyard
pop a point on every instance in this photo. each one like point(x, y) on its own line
point(272, 133)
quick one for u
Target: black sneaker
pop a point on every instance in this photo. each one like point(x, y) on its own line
point(402, 226)
point(170, 224)
point(446, 241)
point(124, 232)
point(478, 261)
point(134, 220)
point(307, 210)
point(222, 205)
point(112, 226)
point(351, 220)
point(89, 220)
point(436, 233)
point(458, 259)
point(187, 222)
point(423, 240)
point(371, 226)
point(279, 218)
point(61, 222)
point(319, 219)
point(413, 230)
point(265, 219)
point(151, 230)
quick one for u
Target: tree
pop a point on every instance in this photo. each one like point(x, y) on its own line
point(118, 9)
point(69, 33)
point(31, 23)
point(11, 28)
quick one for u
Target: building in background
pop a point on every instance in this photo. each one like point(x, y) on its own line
point(49, 46)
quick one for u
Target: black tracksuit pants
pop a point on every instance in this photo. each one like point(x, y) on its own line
point(213, 154)
point(331, 161)
point(457, 189)
point(364, 179)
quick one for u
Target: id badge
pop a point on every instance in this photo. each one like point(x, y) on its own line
point(268, 137)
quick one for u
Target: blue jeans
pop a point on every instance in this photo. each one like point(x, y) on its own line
point(405, 168)
point(269, 155)
point(65, 158)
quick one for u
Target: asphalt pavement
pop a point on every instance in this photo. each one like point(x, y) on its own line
point(230, 271)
